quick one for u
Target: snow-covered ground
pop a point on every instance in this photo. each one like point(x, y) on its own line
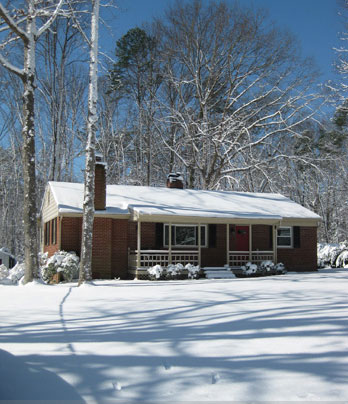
point(273, 338)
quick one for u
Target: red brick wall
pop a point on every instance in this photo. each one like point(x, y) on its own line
point(148, 235)
point(261, 237)
point(52, 248)
point(216, 256)
point(110, 249)
point(303, 258)
point(119, 254)
point(100, 187)
point(71, 234)
point(102, 247)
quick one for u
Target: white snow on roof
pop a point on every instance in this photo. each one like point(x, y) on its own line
point(123, 199)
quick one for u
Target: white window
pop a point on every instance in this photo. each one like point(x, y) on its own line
point(185, 235)
point(284, 237)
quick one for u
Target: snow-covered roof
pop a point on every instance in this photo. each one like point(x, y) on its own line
point(160, 202)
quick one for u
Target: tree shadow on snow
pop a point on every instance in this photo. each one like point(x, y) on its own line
point(238, 316)
point(22, 380)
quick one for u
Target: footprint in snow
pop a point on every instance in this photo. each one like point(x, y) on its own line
point(117, 386)
point(166, 365)
point(215, 377)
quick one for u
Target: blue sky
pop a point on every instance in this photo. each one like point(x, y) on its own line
point(315, 22)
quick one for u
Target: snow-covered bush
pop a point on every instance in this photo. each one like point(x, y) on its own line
point(174, 271)
point(267, 267)
point(193, 271)
point(177, 271)
point(249, 268)
point(64, 262)
point(3, 272)
point(155, 272)
point(16, 273)
point(280, 268)
point(328, 254)
point(342, 260)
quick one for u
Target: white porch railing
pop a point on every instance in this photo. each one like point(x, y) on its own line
point(239, 258)
point(150, 258)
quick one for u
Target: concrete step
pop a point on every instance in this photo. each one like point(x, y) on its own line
point(223, 274)
point(216, 269)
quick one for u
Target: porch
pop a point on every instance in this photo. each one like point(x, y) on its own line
point(202, 245)
point(143, 259)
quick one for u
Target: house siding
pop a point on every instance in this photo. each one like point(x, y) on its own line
point(71, 234)
point(303, 258)
point(110, 245)
point(262, 237)
point(216, 256)
point(51, 247)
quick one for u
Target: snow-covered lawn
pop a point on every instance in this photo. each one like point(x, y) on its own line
point(273, 338)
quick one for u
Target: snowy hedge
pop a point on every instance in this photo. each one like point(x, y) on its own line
point(264, 269)
point(62, 262)
point(333, 255)
point(172, 271)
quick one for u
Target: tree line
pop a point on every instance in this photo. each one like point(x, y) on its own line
point(214, 91)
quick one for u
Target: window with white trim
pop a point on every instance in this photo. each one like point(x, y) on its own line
point(185, 235)
point(284, 237)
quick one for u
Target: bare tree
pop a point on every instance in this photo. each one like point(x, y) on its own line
point(238, 82)
point(19, 25)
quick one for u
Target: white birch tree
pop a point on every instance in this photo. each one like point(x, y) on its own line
point(92, 118)
point(24, 25)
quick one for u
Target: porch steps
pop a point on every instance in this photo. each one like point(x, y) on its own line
point(218, 273)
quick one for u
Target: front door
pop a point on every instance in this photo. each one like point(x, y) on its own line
point(242, 238)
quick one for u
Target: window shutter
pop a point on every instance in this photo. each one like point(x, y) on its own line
point(212, 235)
point(297, 237)
point(270, 242)
point(159, 235)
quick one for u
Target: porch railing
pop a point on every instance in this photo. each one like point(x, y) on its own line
point(238, 258)
point(150, 258)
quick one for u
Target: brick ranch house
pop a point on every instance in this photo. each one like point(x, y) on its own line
point(137, 227)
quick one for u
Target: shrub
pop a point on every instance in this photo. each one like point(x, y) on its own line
point(156, 272)
point(193, 271)
point(264, 269)
point(62, 261)
point(3, 272)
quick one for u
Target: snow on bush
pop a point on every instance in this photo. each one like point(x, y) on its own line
point(342, 260)
point(173, 271)
point(155, 272)
point(3, 272)
point(65, 262)
point(328, 254)
point(280, 268)
point(193, 271)
point(265, 268)
point(17, 272)
point(249, 268)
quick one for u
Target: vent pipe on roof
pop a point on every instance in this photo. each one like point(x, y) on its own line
point(175, 180)
point(100, 183)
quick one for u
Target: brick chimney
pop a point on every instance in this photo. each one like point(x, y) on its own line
point(175, 180)
point(100, 183)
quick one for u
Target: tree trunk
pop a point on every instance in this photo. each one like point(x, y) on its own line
point(88, 202)
point(29, 177)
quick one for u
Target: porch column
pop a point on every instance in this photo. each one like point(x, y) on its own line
point(228, 244)
point(199, 245)
point(139, 245)
point(250, 243)
point(170, 244)
point(275, 244)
